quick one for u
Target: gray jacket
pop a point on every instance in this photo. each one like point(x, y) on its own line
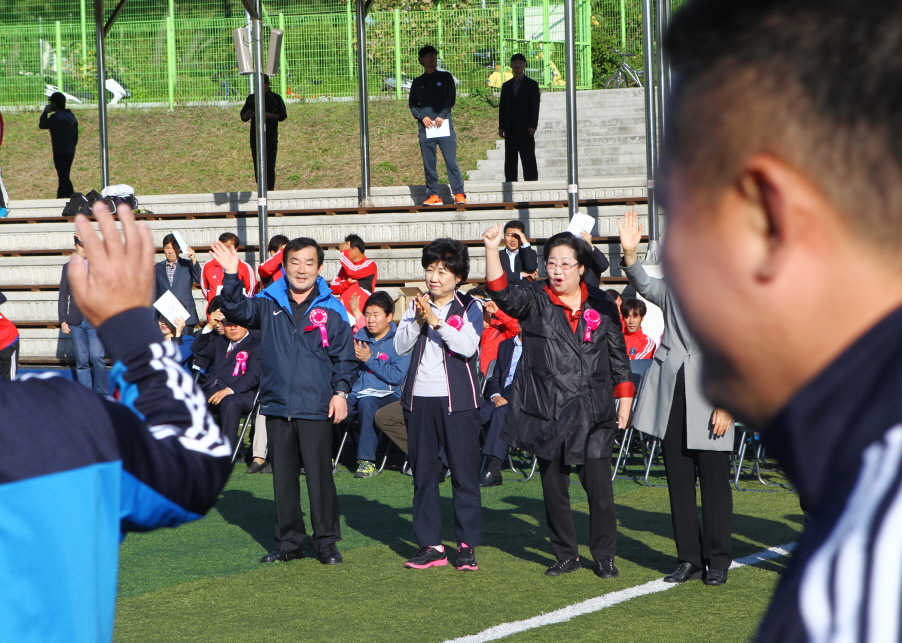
point(678, 348)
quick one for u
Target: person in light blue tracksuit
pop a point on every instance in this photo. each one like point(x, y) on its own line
point(381, 369)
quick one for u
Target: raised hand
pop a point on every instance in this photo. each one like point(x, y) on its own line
point(226, 255)
point(630, 236)
point(121, 273)
point(493, 237)
point(362, 351)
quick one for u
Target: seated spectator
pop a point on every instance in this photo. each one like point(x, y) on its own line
point(380, 369)
point(638, 344)
point(271, 269)
point(175, 334)
point(213, 274)
point(357, 274)
point(9, 346)
point(178, 275)
point(519, 260)
point(498, 327)
point(494, 410)
point(234, 372)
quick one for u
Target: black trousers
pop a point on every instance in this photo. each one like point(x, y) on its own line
point(289, 443)
point(230, 410)
point(595, 477)
point(494, 416)
point(9, 361)
point(63, 165)
point(519, 142)
point(271, 149)
point(708, 544)
point(430, 426)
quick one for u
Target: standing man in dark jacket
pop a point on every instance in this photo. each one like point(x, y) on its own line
point(90, 362)
point(781, 175)
point(432, 96)
point(518, 120)
point(309, 368)
point(178, 275)
point(275, 114)
point(63, 128)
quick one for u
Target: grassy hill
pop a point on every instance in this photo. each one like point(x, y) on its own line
point(207, 149)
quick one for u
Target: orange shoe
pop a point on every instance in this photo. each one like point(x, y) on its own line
point(433, 200)
point(460, 198)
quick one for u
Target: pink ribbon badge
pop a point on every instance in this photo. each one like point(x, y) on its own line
point(240, 363)
point(593, 321)
point(319, 317)
point(382, 356)
point(456, 322)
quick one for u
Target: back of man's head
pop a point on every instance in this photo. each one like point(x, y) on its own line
point(58, 100)
point(356, 242)
point(814, 83)
point(277, 243)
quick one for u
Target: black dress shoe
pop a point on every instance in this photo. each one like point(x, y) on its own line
point(564, 566)
point(256, 467)
point(686, 571)
point(716, 577)
point(267, 468)
point(489, 479)
point(330, 556)
point(279, 556)
point(605, 568)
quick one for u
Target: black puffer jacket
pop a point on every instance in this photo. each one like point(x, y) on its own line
point(564, 388)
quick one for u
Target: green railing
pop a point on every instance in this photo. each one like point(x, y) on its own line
point(187, 60)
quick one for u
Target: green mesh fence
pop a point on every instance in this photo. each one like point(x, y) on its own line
point(319, 49)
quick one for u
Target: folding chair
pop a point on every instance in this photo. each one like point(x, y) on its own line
point(746, 438)
point(648, 444)
point(247, 420)
point(344, 439)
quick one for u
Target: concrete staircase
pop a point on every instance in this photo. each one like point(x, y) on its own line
point(610, 133)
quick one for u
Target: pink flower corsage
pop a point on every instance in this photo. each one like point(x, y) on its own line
point(240, 363)
point(319, 317)
point(593, 321)
point(456, 322)
point(382, 356)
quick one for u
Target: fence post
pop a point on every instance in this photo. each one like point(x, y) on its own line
point(283, 73)
point(170, 59)
point(350, 38)
point(59, 56)
point(546, 45)
point(623, 25)
point(441, 31)
point(84, 37)
point(501, 38)
point(397, 18)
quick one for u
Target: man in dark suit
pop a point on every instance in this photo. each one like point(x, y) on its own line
point(494, 409)
point(519, 260)
point(518, 120)
point(234, 373)
point(178, 275)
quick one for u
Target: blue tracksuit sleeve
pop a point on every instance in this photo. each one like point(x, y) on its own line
point(174, 459)
point(391, 371)
point(238, 308)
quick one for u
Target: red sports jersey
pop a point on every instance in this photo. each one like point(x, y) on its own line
point(8, 332)
point(212, 275)
point(271, 268)
point(639, 345)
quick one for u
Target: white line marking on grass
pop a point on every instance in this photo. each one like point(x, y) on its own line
point(601, 602)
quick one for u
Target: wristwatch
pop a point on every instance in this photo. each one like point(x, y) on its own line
point(341, 394)
point(438, 324)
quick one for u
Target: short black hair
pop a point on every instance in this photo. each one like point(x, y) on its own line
point(299, 244)
point(214, 305)
point(452, 253)
point(58, 99)
point(356, 242)
point(633, 305)
point(614, 294)
point(226, 237)
point(381, 299)
point(170, 238)
point(277, 242)
point(516, 225)
point(425, 51)
point(520, 57)
point(580, 248)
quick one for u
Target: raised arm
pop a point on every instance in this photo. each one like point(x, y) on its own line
point(236, 305)
point(653, 289)
point(516, 302)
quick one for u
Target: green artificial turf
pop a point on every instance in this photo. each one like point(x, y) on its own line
point(203, 581)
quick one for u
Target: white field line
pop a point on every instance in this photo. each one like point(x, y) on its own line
point(601, 602)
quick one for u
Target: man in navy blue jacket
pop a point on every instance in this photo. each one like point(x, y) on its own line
point(91, 468)
point(494, 409)
point(309, 368)
point(782, 186)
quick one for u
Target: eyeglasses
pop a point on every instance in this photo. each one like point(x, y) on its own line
point(551, 265)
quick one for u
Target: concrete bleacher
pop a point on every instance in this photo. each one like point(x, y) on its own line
point(33, 252)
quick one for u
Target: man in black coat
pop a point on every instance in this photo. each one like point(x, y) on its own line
point(178, 275)
point(234, 373)
point(494, 410)
point(518, 120)
point(519, 260)
point(63, 128)
point(275, 112)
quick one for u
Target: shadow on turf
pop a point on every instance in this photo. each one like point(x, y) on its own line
point(251, 513)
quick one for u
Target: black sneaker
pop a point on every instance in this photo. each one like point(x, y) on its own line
point(427, 557)
point(605, 568)
point(564, 567)
point(466, 559)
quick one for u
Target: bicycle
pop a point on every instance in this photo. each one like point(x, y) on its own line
point(625, 75)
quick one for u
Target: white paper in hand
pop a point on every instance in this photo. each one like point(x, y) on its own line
point(180, 240)
point(170, 307)
point(579, 223)
point(441, 131)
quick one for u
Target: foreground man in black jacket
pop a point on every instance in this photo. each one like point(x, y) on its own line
point(782, 186)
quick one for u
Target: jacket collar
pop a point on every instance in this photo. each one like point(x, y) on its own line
point(278, 291)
